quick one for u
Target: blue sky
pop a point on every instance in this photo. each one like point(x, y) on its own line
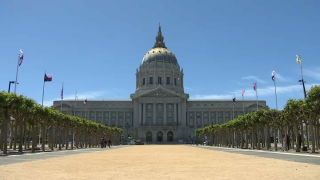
point(223, 46)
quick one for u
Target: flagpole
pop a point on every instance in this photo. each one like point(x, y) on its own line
point(86, 107)
point(61, 98)
point(243, 104)
point(234, 99)
point(44, 82)
point(15, 83)
point(304, 88)
point(275, 90)
point(75, 104)
point(257, 96)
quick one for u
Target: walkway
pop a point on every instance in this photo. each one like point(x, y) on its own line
point(158, 162)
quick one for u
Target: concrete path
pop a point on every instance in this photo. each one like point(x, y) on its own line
point(295, 157)
point(25, 157)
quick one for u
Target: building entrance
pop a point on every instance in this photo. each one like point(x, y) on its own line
point(159, 136)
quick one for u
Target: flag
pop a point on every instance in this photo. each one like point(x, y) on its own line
point(243, 92)
point(62, 92)
point(298, 59)
point(76, 97)
point(47, 78)
point(273, 75)
point(85, 101)
point(234, 99)
point(255, 86)
point(20, 57)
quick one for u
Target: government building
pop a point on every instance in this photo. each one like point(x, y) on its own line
point(159, 110)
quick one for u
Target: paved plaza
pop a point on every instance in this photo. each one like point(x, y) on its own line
point(160, 162)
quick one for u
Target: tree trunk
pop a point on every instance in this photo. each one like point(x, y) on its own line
point(60, 138)
point(308, 135)
point(268, 137)
point(43, 137)
point(313, 149)
point(15, 136)
point(21, 127)
point(274, 141)
point(34, 137)
point(297, 137)
point(258, 138)
point(67, 137)
point(5, 133)
point(11, 133)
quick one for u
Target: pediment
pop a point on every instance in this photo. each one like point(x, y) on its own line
point(255, 106)
point(63, 106)
point(160, 92)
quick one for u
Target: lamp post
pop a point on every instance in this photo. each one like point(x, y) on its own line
point(11, 82)
point(304, 88)
point(11, 119)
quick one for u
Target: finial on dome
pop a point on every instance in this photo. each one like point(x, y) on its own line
point(159, 40)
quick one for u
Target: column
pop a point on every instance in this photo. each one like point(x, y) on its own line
point(154, 78)
point(154, 115)
point(175, 120)
point(188, 119)
point(210, 121)
point(179, 114)
point(165, 113)
point(202, 119)
point(144, 114)
point(217, 117)
point(117, 123)
point(109, 119)
point(139, 114)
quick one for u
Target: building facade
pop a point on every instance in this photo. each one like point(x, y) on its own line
point(159, 110)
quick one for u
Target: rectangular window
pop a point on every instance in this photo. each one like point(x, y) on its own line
point(144, 81)
point(175, 81)
point(159, 80)
point(150, 80)
point(168, 80)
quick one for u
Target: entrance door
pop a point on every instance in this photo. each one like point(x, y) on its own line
point(149, 136)
point(170, 136)
point(159, 136)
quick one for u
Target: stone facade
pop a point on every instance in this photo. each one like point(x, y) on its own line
point(159, 110)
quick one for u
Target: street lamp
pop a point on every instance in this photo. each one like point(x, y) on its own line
point(304, 88)
point(11, 82)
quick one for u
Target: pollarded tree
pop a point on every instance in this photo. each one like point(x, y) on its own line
point(295, 114)
point(273, 119)
point(313, 108)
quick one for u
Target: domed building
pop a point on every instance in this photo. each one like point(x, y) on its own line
point(159, 111)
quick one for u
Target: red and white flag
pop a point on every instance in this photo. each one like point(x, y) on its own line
point(85, 101)
point(243, 92)
point(255, 86)
point(273, 75)
point(20, 57)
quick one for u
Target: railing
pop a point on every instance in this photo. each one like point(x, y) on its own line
point(159, 128)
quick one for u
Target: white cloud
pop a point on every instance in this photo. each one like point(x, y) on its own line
point(281, 78)
point(313, 73)
point(268, 91)
point(83, 96)
point(188, 88)
point(254, 78)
